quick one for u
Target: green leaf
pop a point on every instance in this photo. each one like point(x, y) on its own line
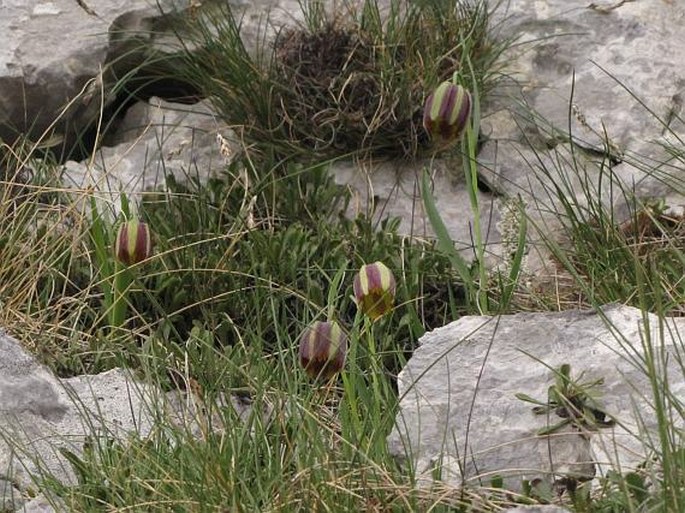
point(445, 243)
point(524, 397)
point(637, 486)
point(553, 428)
point(101, 235)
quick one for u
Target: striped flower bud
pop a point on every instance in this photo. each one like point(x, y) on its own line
point(374, 290)
point(323, 347)
point(133, 243)
point(446, 113)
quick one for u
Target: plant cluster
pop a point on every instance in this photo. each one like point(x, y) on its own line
point(350, 82)
point(571, 401)
point(255, 285)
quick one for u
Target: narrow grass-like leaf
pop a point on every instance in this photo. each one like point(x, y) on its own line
point(445, 243)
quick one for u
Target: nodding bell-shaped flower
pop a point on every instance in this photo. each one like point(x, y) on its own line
point(133, 243)
point(323, 347)
point(374, 290)
point(446, 113)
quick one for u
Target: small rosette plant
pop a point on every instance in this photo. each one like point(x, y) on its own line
point(374, 290)
point(323, 347)
point(446, 113)
point(133, 243)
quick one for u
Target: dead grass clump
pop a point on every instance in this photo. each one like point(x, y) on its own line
point(337, 98)
point(349, 82)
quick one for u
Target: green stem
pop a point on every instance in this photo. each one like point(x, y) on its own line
point(380, 399)
point(471, 175)
point(122, 282)
point(352, 429)
point(373, 363)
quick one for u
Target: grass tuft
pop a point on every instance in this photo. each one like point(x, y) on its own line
point(348, 83)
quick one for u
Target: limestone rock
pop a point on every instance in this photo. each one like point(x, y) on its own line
point(156, 139)
point(53, 52)
point(393, 189)
point(603, 75)
point(41, 504)
point(536, 509)
point(460, 416)
point(10, 496)
point(40, 413)
point(601, 55)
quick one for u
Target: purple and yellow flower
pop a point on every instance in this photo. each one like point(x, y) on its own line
point(323, 347)
point(374, 290)
point(133, 243)
point(446, 113)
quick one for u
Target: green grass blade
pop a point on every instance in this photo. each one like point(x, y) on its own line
point(445, 243)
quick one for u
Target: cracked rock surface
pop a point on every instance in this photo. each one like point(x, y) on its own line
point(51, 51)
point(460, 416)
point(40, 413)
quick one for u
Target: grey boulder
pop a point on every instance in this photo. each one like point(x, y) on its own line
point(603, 76)
point(57, 58)
point(41, 415)
point(156, 139)
point(536, 509)
point(460, 417)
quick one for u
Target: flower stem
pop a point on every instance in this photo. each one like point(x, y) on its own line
point(122, 282)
